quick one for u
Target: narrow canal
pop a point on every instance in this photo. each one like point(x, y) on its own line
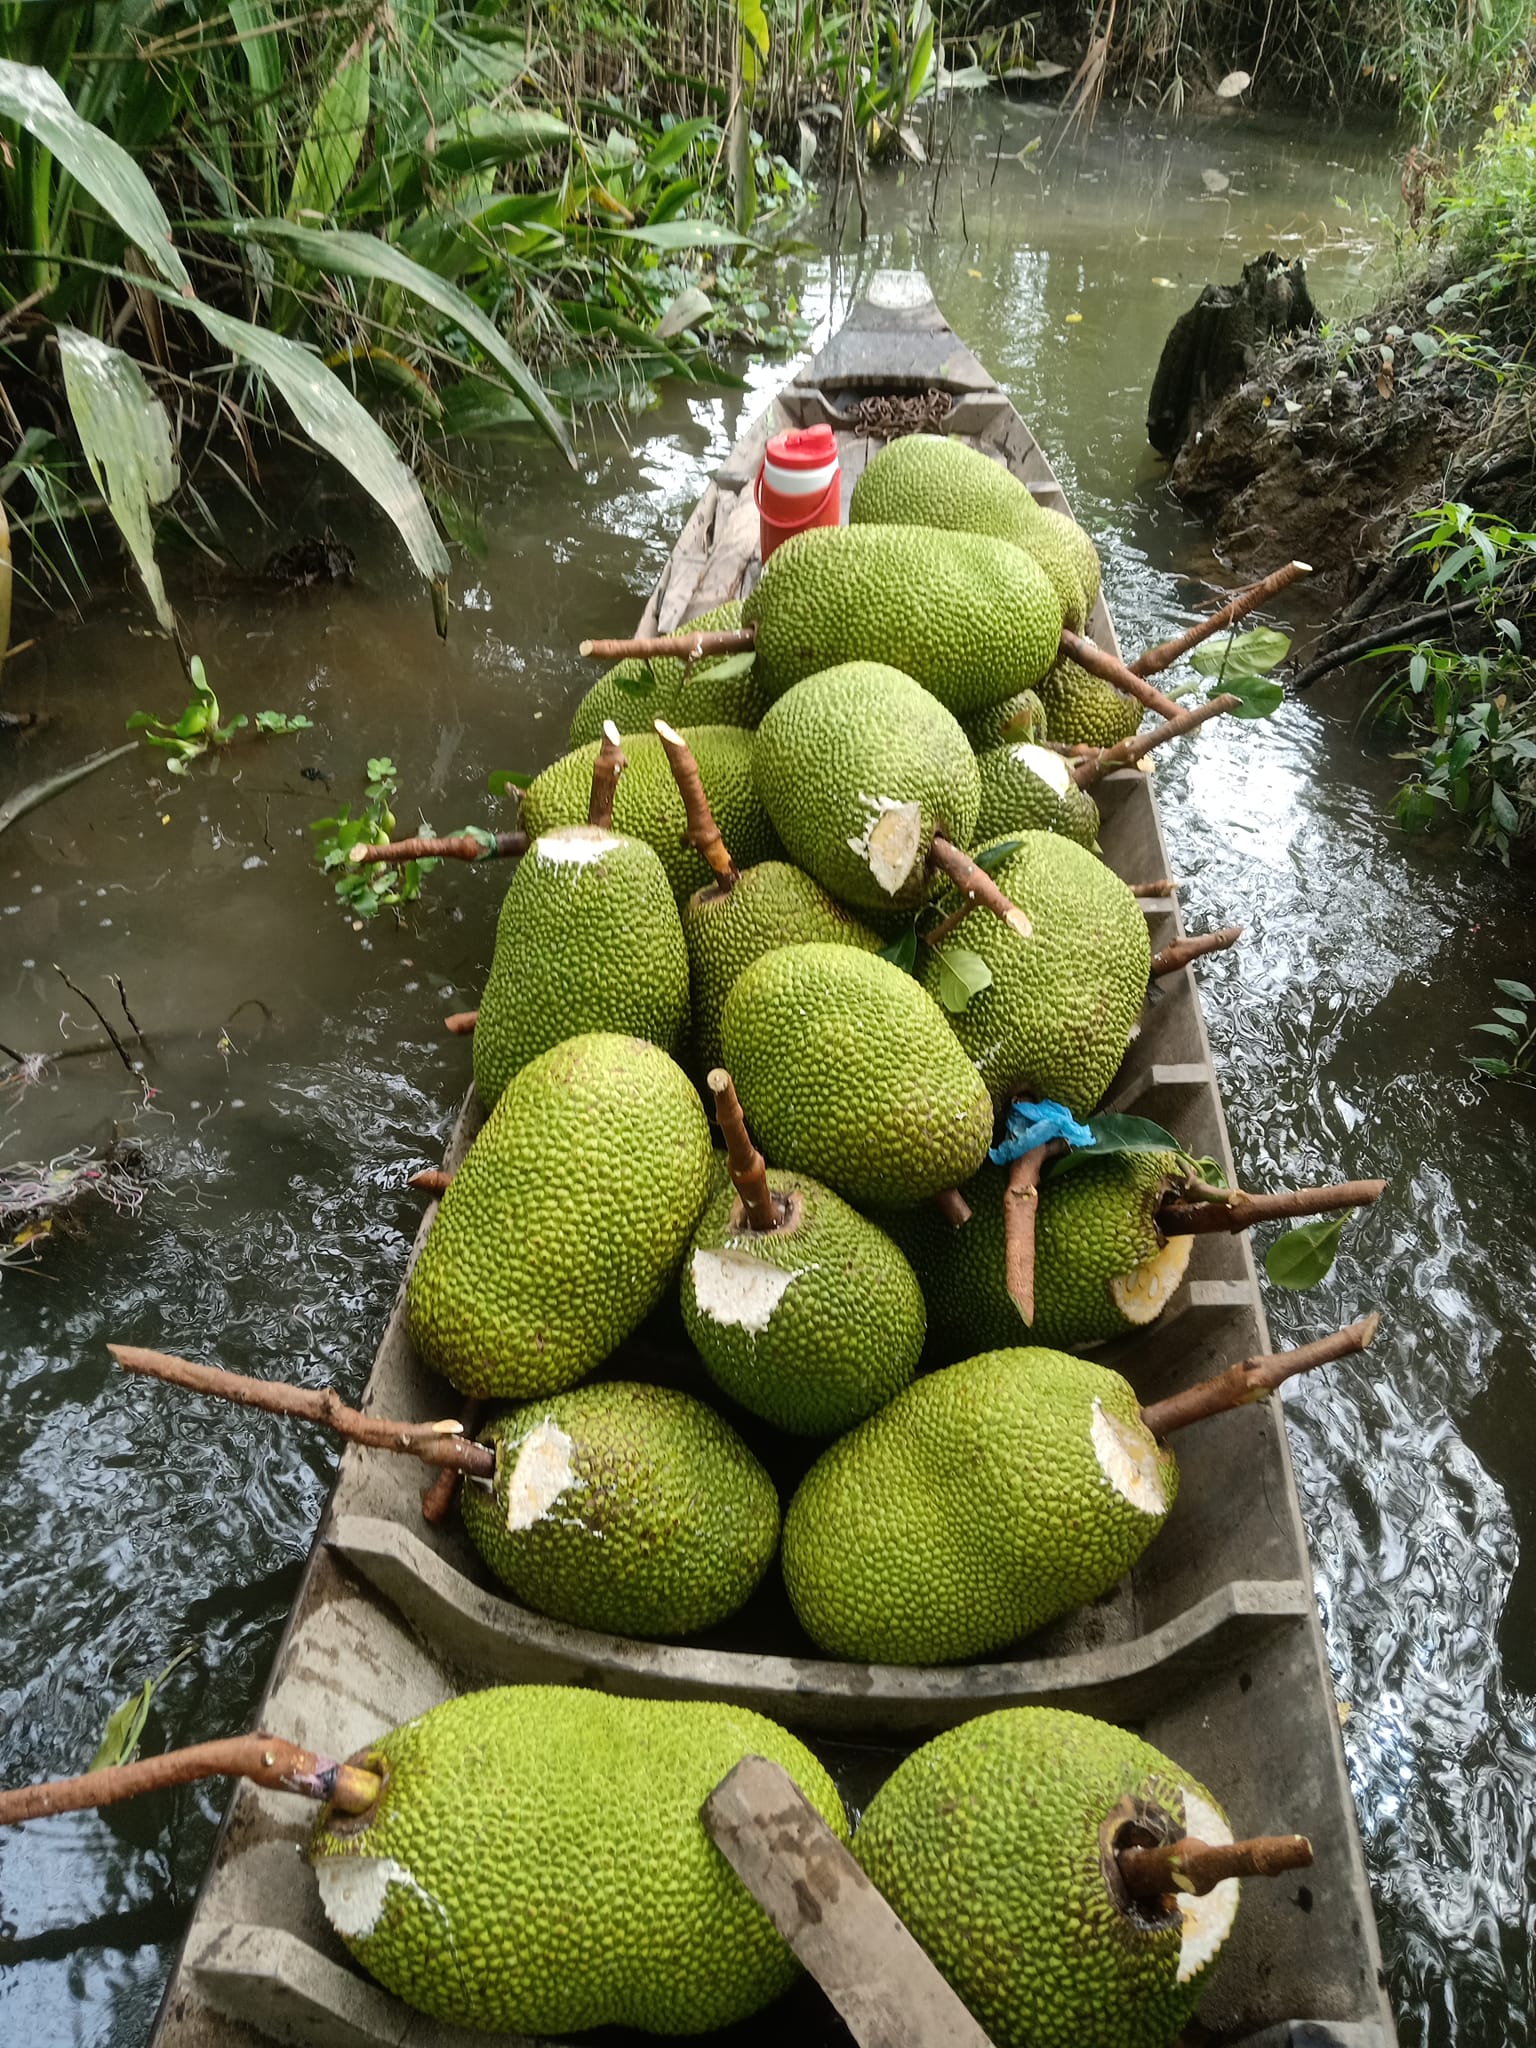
point(298, 1070)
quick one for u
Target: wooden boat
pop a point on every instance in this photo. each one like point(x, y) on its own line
point(1211, 1648)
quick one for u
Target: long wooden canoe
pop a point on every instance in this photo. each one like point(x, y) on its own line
point(1211, 1647)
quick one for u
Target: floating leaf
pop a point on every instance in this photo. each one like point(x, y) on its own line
point(127, 441)
point(962, 974)
point(1215, 182)
point(125, 1725)
point(1239, 657)
point(1305, 1254)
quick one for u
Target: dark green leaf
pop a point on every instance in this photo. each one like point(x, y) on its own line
point(503, 779)
point(962, 974)
point(1499, 1031)
point(992, 857)
point(1257, 697)
point(1120, 1134)
point(1496, 1067)
point(902, 952)
point(1517, 989)
point(1505, 816)
point(1510, 1016)
point(1306, 1253)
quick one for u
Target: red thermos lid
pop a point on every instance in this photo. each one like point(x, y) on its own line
point(803, 448)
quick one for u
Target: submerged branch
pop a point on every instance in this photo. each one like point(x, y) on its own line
point(1252, 1378)
point(36, 793)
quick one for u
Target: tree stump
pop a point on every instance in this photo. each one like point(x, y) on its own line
point(1213, 346)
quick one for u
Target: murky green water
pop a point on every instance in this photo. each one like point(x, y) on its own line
point(299, 1074)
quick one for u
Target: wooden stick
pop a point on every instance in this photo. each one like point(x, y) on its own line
point(1162, 888)
point(682, 646)
point(606, 770)
point(1109, 668)
point(1167, 652)
point(1126, 753)
point(432, 1180)
point(459, 847)
point(437, 1501)
point(1182, 951)
point(1252, 1378)
point(745, 1164)
point(1231, 1210)
point(1021, 1207)
point(977, 884)
point(1196, 1867)
point(263, 1759)
point(435, 1443)
point(953, 1207)
point(703, 832)
point(462, 1023)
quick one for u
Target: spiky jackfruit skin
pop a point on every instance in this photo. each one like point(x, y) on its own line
point(1059, 1012)
point(813, 1326)
point(624, 1507)
point(566, 1222)
point(987, 1843)
point(1025, 788)
point(970, 1511)
point(588, 939)
point(646, 803)
point(847, 1071)
point(550, 1872)
point(1080, 551)
point(771, 905)
point(971, 618)
point(633, 693)
point(858, 767)
point(1082, 710)
point(1020, 717)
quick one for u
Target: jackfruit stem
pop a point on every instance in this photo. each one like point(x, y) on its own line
point(458, 846)
point(1193, 1866)
point(1167, 652)
point(606, 770)
point(432, 1180)
point(438, 1498)
point(1165, 887)
point(1253, 1378)
point(462, 1023)
point(1182, 951)
point(1109, 668)
point(745, 1164)
point(263, 1759)
point(1199, 1215)
point(977, 885)
point(703, 832)
point(1021, 1208)
point(1126, 753)
point(681, 646)
point(434, 1443)
point(953, 1207)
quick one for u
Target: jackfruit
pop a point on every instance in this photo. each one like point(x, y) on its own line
point(1102, 1267)
point(939, 481)
point(995, 1843)
point(721, 690)
point(1062, 1003)
point(588, 939)
point(566, 1222)
point(847, 1071)
point(813, 1325)
point(535, 1863)
point(970, 618)
point(1025, 788)
point(1020, 717)
point(858, 767)
point(769, 906)
point(624, 1507)
point(984, 1501)
point(1082, 710)
point(646, 803)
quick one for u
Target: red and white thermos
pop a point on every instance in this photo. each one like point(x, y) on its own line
point(799, 484)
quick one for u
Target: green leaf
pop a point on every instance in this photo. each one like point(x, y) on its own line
point(683, 234)
point(1241, 657)
point(992, 857)
point(676, 143)
point(962, 974)
point(1517, 989)
point(1305, 1254)
point(725, 668)
point(1499, 1031)
point(1510, 1016)
point(1256, 696)
point(343, 252)
point(504, 779)
point(127, 442)
point(1499, 1068)
point(1505, 816)
point(1120, 1134)
point(32, 97)
point(902, 951)
point(125, 1725)
point(334, 140)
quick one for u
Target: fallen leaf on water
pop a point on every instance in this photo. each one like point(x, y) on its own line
point(1073, 318)
point(1215, 181)
point(1166, 282)
point(973, 273)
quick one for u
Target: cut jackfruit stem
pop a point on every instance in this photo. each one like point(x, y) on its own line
point(1109, 668)
point(462, 1023)
point(1194, 1866)
point(434, 1443)
point(745, 1164)
point(1021, 1209)
point(437, 1501)
point(457, 846)
point(953, 1207)
point(1231, 1210)
point(263, 1759)
point(1091, 768)
point(1182, 951)
point(681, 646)
point(976, 886)
point(432, 1180)
point(1252, 1378)
point(1167, 652)
point(606, 770)
point(703, 832)
point(1164, 887)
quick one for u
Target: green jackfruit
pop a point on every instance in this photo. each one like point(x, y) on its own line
point(980, 1504)
point(624, 1507)
point(720, 691)
point(970, 618)
point(535, 1863)
point(1061, 1006)
point(994, 1843)
point(858, 767)
point(646, 804)
point(1026, 788)
point(1082, 710)
point(588, 940)
point(1081, 552)
point(1020, 717)
point(812, 1326)
point(566, 1222)
point(769, 906)
point(847, 1071)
